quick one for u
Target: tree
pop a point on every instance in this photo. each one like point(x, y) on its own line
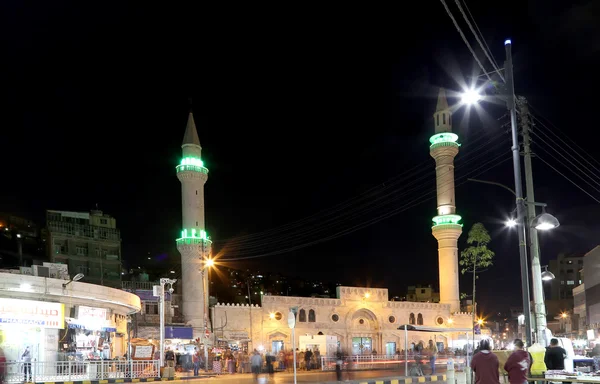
point(476, 258)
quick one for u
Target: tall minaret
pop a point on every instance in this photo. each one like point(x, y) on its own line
point(194, 245)
point(446, 227)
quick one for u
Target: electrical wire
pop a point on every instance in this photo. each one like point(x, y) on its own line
point(362, 225)
point(465, 40)
point(564, 157)
point(589, 171)
point(573, 151)
point(351, 214)
point(566, 178)
point(321, 215)
point(483, 48)
point(481, 34)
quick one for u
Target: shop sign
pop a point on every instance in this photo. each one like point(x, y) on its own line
point(239, 336)
point(91, 313)
point(28, 312)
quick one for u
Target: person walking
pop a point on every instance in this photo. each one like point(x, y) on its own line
point(256, 363)
point(518, 364)
point(433, 352)
point(555, 356)
point(485, 365)
point(26, 357)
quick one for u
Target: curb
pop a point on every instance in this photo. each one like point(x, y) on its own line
point(401, 380)
point(110, 381)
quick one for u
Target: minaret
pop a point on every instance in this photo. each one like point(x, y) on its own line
point(446, 227)
point(193, 245)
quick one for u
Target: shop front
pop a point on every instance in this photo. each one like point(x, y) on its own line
point(90, 335)
point(33, 324)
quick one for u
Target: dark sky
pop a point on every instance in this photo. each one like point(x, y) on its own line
point(298, 109)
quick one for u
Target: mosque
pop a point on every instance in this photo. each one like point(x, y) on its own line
point(360, 320)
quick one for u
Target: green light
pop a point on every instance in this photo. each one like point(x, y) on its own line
point(193, 161)
point(193, 236)
point(445, 137)
point(192, 164)
point(447, 219)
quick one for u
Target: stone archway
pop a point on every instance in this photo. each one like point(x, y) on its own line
point(364, 332)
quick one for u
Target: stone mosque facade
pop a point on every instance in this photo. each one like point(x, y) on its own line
point(360, 320)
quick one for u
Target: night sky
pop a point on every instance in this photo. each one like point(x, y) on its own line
point(299, 110)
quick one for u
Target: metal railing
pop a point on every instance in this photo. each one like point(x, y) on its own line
point(370, 362)
point(53, 371)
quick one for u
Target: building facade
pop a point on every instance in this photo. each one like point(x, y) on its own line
point(567, 269)
point(421, 294)
point(88, 242)
point(60, 320)
point(362, 320)
point(591, 266)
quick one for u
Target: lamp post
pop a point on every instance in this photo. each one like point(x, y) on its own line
point(208, 262)
point(161, 313)
point(544, 221)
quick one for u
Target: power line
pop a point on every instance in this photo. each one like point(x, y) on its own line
point(357, 227)
point(348, 215)
point(321, 215)
point(465, 40)
point(481, 34)
point(566, 178)
point(483, 48)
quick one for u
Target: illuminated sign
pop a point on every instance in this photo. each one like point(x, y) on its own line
point(27, 312)
point(91, 313)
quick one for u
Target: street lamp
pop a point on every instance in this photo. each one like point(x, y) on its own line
point(511, 222)
point(545, 221)
point(547, 275)
point(160, 292)
point(77, 277)
point(470, 97)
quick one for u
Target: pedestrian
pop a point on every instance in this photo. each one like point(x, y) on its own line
point(485, 365)
point(256, 363)
point(196, 361)
point(518, 364)
point(433, 352)
point(339, 362)
point(26, 357)
point(555, 356)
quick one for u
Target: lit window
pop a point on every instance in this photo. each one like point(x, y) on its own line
point(570, 282)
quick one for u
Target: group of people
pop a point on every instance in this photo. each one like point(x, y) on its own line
point(485, 364)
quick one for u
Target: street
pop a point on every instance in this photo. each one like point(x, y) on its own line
point(303, 377)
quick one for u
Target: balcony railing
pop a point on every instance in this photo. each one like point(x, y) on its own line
point(193, 168)
point(141, 285)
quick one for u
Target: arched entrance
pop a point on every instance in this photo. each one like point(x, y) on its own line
point(364, 331)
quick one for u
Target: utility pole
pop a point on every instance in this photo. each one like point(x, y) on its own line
point(521, 229)
point(536, 269)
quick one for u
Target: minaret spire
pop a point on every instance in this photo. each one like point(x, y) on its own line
point(446, 228)
point(194, 245)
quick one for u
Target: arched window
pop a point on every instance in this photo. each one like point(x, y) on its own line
point(311, 316)
point(438, 119)
point(411, 319)
point(419, 319)
point(444, 118)
point(302, 316)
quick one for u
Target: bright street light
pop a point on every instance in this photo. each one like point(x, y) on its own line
point(547, 275)
point(544, 222)
point(511, 222)
point(470, 97)
point(209, 262)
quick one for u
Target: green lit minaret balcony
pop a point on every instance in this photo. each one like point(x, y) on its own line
point(193, 236)
point(444, 139)
point(192, 164)
point(446, 220)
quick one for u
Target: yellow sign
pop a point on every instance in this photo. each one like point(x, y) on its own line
point(27, 312)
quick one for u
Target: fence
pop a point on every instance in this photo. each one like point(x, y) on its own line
point(41, 372)
point(360, 362)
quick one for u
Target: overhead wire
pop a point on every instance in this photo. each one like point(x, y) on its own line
point(321, 215)
point(357, 211)
point(579, 150)
point(481, 34)
point(362, 225)
point(483, 47)
point(590, 172)
point(566, 178)
point(465, 39)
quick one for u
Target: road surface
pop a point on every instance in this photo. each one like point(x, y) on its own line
point(303, 377)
